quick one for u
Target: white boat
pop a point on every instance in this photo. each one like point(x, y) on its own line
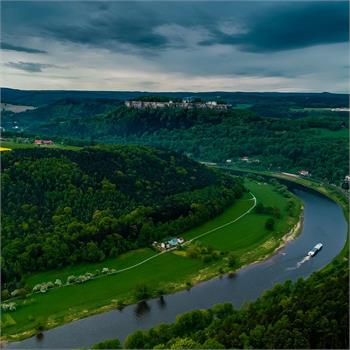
point(315, 249)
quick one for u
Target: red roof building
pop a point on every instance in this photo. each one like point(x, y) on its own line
point(43, 142)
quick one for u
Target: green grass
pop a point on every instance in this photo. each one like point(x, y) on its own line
point(170, 271)
point(121, 262)
point(15, 145)
point(250, 232)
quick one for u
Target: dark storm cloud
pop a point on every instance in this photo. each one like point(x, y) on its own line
point(290, 27)
point(298, 43)
point(268, 26)
point(10, 47)
point(29, 66)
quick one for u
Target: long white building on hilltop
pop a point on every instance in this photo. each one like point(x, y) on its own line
point(171, 104)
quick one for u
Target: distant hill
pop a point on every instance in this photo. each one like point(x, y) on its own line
point(44, 97)
point(60, 110)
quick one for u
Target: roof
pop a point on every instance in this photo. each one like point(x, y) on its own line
point(173, 241)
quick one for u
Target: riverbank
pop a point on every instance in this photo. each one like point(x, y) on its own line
point(166, 274)
point(248, 284)
point(339, 196)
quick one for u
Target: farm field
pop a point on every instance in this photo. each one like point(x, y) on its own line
point(15, 145)
point(247, 238)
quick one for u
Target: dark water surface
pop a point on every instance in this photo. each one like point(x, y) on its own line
point(323, 222)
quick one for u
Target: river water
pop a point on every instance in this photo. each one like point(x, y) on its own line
point(323, 222)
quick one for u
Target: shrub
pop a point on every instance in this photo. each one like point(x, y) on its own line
point(5, 294)
point(8, 307)
point(71, 279)
point(270, 224)
point(142, 292)
point(18, 293)
point(231, 260)
point(58, 282)
point(105, 270)
point(108, 344)
point(36, 288)
point(49, 285)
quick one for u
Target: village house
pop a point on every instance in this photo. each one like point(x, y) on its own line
point(304, 173)
point(43, 142)
point(171, 243)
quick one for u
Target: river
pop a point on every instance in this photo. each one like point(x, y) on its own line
point(323, 222)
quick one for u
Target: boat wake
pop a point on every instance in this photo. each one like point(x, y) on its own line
point(299, 263)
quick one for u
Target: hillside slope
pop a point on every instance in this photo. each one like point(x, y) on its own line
point(62, 207)
point(317, 143)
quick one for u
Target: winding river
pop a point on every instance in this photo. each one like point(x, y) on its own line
point(323, 222)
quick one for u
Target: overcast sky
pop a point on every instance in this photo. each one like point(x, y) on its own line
point(176, 46)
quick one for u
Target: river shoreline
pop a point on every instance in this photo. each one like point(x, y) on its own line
point(203, 275)
point(279, 268)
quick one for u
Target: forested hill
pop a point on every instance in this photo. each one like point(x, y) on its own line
point(308, 314)
point(54, 113)
point(317, 142)
point(264, 99)
point(61, 207)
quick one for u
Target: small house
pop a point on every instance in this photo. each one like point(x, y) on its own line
point(304, 173)
point(43, 142)
point(173, 242)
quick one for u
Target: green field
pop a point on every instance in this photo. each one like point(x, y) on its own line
point(171, 271)
point(16, 145)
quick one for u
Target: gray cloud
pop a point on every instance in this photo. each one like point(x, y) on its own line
point(10, 47)
point(141, 41)
point(291, 26)
point(29, 66)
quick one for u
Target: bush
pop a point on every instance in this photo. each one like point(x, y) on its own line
point(231, 260)
point(18, 293)
point(270, 224)
point(71, 279)
point(5, 294)
point(105, 270)
point(142, 292)
point(108, 344)
point(8, 307)
point(58, 282)
point(49, 285)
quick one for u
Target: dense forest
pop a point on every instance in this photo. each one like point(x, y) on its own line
point(311, 313)
point(317, 143)
point(60, 207)
point(280, 131)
